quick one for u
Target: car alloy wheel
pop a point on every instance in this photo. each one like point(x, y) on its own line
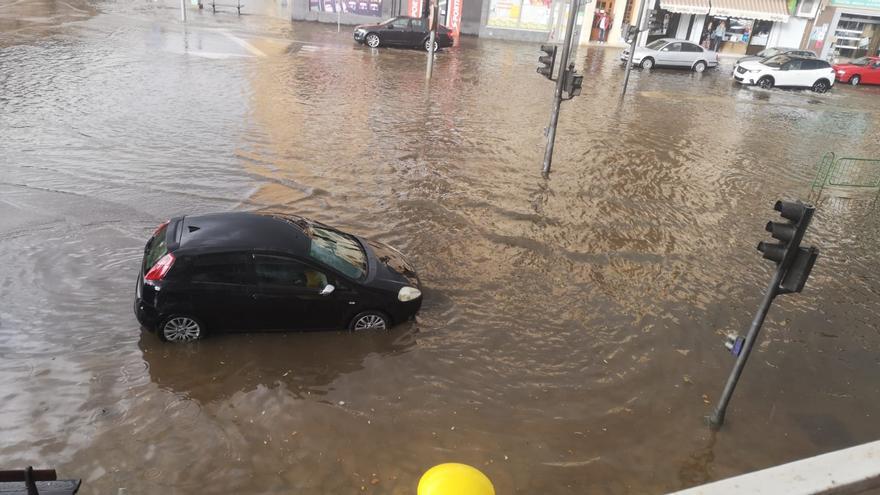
point(373, 40)
point(428, 46)
point(765, 83)
point(700, 66)
point(369, 320)
point(821, 86)
point(855, 80)
point(647, 63)
point(181, 329)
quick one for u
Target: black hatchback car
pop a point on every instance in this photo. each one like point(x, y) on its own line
point(250, 271)
point(410, 32)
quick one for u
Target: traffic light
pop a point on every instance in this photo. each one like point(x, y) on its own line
point(547, 61)
point(794, 261)
point(573, 82)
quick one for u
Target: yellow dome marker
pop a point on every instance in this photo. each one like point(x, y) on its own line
point(455, 479)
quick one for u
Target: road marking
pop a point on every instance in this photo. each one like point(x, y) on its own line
point(244, 44)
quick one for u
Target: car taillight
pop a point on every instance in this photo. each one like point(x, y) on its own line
point(160, 227)
point(160, 269)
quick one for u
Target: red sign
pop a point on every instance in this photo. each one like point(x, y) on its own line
point(454, 18)
point(415, 8)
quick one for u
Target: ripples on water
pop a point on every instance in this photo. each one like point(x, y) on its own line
point(571, 326)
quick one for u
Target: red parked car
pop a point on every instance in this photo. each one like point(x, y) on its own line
point(865, 70)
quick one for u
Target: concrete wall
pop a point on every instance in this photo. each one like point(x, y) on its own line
point(697, 29)
point(683, 22)
point(787, 34)
point(471, 15)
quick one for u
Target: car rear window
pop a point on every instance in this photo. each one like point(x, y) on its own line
point(156, 248)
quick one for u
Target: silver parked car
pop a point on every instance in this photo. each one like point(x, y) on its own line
point(673, 53)
point(772, 52)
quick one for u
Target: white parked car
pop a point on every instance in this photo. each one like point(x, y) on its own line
point(672, 53)
point(786, 71)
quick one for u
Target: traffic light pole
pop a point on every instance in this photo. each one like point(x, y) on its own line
point(560, 81)
point(793, 266)
point(433, 36)
point(632, 48)
point(717, 417)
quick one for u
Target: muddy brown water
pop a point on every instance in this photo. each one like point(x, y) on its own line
point(571, 336)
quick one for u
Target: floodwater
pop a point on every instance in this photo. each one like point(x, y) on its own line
point(571, 336)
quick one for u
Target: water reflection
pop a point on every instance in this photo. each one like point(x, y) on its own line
point(304, 364)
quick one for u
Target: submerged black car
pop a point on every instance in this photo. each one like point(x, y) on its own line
point(249, 271)
point(411, 32)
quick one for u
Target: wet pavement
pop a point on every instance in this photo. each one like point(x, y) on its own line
point(571, 336)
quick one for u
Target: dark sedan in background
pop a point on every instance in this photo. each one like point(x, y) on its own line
point(410, 32)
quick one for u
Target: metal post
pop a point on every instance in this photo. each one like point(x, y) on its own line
point(338, 15)
point(632, 47)
point(435, 12)
point(560, 81)
point(183, 10)
point(717, 417)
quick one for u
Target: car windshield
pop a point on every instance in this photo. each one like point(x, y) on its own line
point(656, 45)
point(340, 251)
point(776, 61)
point(770, 52)
point(861, 61)
point(389, 21)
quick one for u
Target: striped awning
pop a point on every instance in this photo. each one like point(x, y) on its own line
point(686, 6)
point(764, 10)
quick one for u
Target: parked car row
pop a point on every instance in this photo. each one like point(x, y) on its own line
point(777, 66)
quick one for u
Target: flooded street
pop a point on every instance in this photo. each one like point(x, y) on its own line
point(571, 335)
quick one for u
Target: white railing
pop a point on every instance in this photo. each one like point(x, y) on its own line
point(855, 470)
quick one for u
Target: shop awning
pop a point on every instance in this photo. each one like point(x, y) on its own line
point(763, 10)
point(686, 6)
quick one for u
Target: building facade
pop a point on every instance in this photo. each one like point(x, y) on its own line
point(841, 29)
point(845, 29)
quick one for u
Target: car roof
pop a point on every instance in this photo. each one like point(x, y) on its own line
point(670, 40)
point(246, 231)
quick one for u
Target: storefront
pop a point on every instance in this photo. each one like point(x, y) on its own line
point(528, 20)
point(742, 27)
point(846, 30)
point(682, 19)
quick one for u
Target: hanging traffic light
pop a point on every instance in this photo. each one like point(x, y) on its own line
point(573, 82)
point(795, 262)
point(547, 61)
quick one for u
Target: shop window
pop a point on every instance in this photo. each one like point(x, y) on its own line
point(808, 8)
point(361, 7)
point(520, 14)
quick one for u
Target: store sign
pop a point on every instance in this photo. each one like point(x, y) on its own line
point(415, 8)
point(871, 4)
point(454, 20)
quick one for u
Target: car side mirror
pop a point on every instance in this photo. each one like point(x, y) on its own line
point(664, 50)
point(327, 290)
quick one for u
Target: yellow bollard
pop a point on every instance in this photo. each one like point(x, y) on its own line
point(455, 479)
